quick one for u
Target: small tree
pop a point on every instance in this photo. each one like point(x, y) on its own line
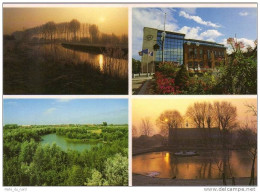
point(146, 127)
point(136, 66)
point(182, 78)
point(104, 123)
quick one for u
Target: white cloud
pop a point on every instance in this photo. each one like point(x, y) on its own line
point(211, 34)
point(191, 32)
point(195, 33)
point(191, 10)
point(50, 110)
point(150, 17)
point(198, 19)
point(243, 13)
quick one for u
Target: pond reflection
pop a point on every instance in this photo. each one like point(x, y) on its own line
point(204, 166)
point(107, 65)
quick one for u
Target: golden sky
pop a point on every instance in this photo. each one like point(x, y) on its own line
point(152, 108)
point(109, 19)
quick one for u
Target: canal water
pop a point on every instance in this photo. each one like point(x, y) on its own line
point(65, 144)
point(107, 65)
point(206, 166)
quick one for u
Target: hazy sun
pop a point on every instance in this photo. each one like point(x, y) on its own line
point(101, 19)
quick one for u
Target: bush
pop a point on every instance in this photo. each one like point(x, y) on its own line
point(169, 69)
point(182, 78)
point(136, 66)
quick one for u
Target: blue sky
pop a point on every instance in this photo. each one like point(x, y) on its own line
point(65, 111)
point(212, 24)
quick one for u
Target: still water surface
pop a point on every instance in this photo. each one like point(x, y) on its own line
point(107, 65)
point(205, 166)
point(64, 144)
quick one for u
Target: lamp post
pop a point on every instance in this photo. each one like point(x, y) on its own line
point(163, 38)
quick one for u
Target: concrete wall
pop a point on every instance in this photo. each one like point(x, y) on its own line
point(149, 40)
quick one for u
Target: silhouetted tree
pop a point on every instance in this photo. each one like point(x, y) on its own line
point(94, 33)
point(74, 27)
point(146, 127)
point(168, 121)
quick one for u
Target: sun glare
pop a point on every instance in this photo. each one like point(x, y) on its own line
point(101, 19)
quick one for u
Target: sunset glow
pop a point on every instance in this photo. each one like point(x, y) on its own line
point(152, 108)
point(113, 20)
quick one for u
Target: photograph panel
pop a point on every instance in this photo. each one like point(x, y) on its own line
point(65, 50)
point(194, 50)
point(65, 142)
point(194, 141)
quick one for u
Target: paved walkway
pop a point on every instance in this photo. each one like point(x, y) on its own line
point(140, 84)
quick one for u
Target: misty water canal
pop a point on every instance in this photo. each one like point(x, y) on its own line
point(106, 64)
point(166, 165)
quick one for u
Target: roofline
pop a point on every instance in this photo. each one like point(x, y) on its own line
point(212, 42)
point(203, 41)
point(166, 31)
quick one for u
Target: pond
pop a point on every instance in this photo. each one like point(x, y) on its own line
point(65, 144)
point(107, 65)
point(206, 166)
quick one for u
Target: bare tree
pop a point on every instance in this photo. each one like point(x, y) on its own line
point(225, 115)
point(146, 127)
point(134, 131)
point(74, 27)
point(248, 138)
point(94, 33)
point(169, 120)
point(197, 114)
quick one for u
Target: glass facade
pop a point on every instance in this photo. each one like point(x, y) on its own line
point(173, 47)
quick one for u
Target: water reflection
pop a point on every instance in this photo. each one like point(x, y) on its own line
point(101, 62)
point(65, 144)
point(197, 167)
point(107, 65)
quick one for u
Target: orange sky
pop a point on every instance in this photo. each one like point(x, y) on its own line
point(110, 20)
point(152, 108)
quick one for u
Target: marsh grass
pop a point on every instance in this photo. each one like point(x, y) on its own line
point(40, 70)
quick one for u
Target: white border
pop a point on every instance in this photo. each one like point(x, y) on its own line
point(130, 4)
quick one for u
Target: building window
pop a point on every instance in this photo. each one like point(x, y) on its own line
point(190, 53)
point(209, 55)
point(190, 64)
point(201, 53)
point(173, 48)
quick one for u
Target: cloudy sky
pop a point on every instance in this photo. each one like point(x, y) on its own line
point(212, 24)
point(65, 111)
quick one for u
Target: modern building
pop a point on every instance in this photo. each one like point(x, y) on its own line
point(194, 54)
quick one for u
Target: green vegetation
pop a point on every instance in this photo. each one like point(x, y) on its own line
point(29, 163)
point(235, 75)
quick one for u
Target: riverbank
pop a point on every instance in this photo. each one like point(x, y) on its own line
point(98, 49)
point(141, 180)
point(47, 69)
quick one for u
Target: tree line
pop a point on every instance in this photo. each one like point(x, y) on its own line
point(72, 31)
point(26, 162)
